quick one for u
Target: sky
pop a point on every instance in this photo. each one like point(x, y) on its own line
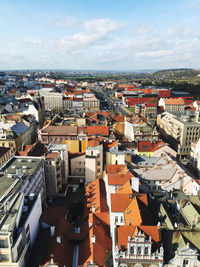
point(99, 35)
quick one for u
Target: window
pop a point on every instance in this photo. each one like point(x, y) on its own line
point(122, 219)
point(146, 251)
point(185, 263)
point(4, 257)
point(139, 250)
point(20, 248)
point(116, 219)
point(3, 243)
point(132, 250)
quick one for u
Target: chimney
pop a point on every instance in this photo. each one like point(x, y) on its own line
point(58, 239)
point(52, 228)
point(93, 208)
point(135, 184)
point(93, 239)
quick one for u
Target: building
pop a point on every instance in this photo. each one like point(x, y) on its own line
point(164, 173)
point(64, 165)
point(149, 111)
point(180, 131)
point(5, 154)
point(172, 104)
point(138, 246)
point(19, 226)
point(178, 218)
point(196, 104)
point(114, 156)
point(195, 156)
point(36, 108)
point(90, 102)
point(53, 175)
point(52, 100)
point(93, 162)
point(26, 174)
point(57, 134)
point(77, 164)
point(135, 236)
point(98, 242)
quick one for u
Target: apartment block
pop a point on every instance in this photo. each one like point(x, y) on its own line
point(53, 173)
point(180, 130)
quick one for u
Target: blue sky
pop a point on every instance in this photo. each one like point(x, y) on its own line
point(99, 35)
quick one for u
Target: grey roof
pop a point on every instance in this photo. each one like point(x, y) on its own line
point(157, 174)
point(144, 161)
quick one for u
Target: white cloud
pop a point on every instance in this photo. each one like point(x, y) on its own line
point(102, 26)
point(94, 33)
point(67, 21)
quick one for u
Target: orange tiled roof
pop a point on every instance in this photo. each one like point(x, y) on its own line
point(124, 231)
point(93, 142)
point(111, 169)
point(60, 130)
point(132, 213)
point(96, 196)
point(176, 101)
point(119, 178)
point(125, 188)
point(109, 144)
point(98, 130)
point(137, 212)
point(103, 244)
point(119, 202)
point(118, 118)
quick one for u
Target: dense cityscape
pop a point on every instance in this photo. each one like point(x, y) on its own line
point(97, 171)
point(99, 133)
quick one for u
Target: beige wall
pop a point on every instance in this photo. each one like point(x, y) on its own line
point(78, 166)
point(90, 169)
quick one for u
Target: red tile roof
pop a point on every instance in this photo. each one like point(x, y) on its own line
point(148, 146)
